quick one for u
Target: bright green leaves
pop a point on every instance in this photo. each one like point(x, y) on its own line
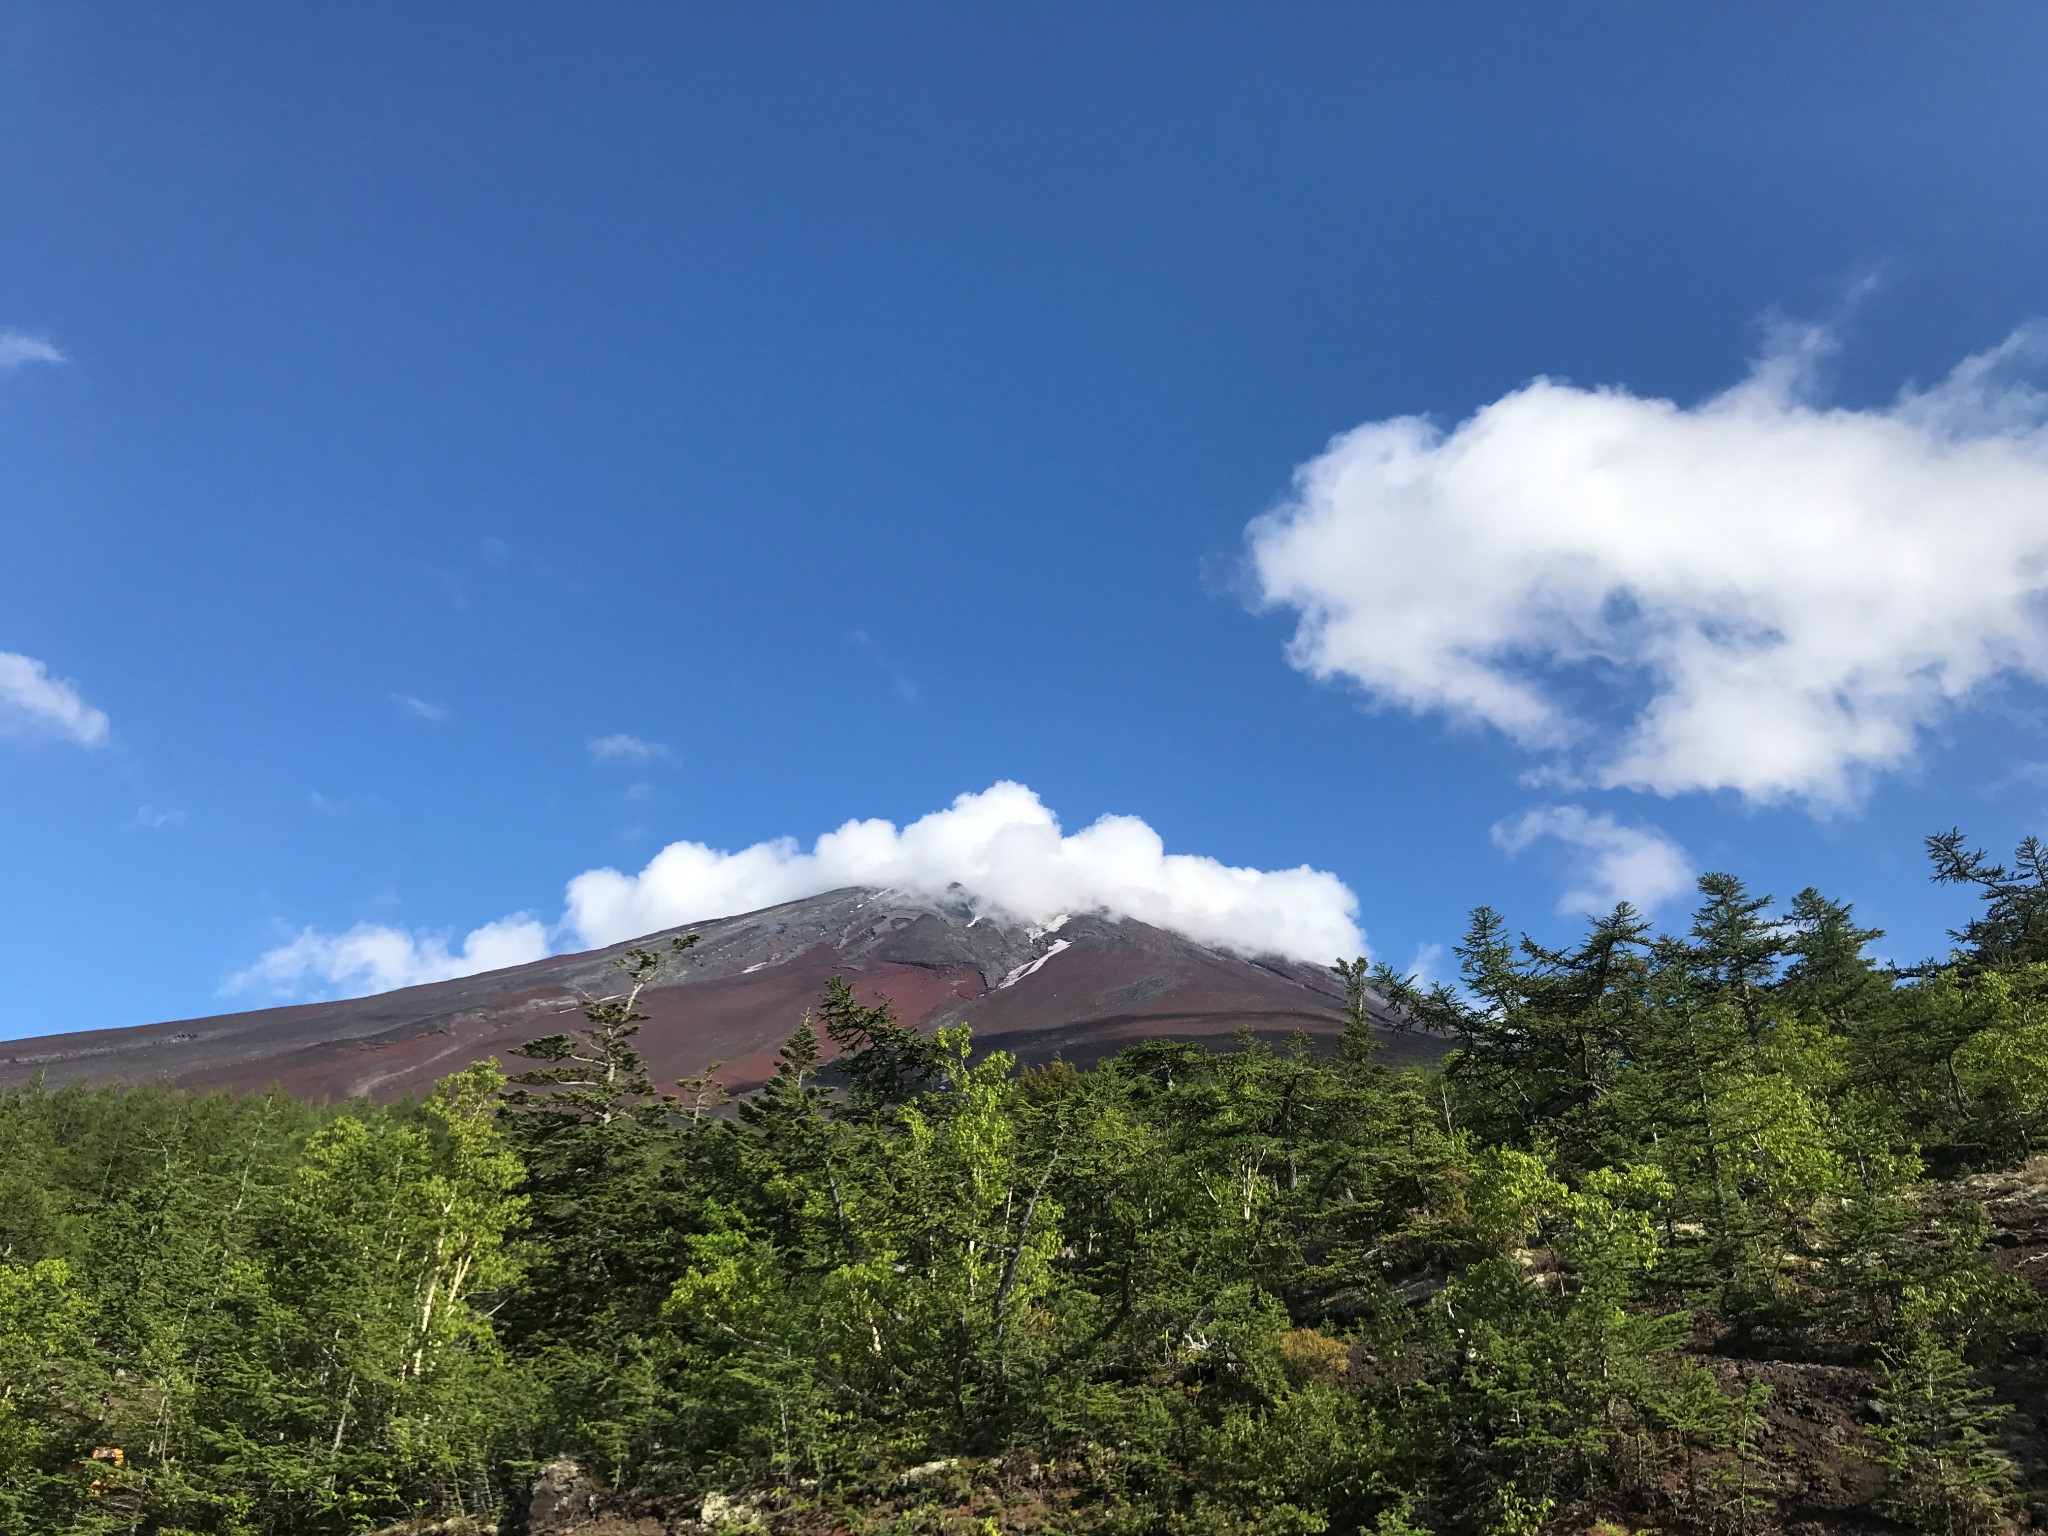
point(266, 1318)
point(1512, 1194)
point(1560, 1363)
point(48, 1391)
point(908, 1263)
point(1980, 1043)
point(392, 1227)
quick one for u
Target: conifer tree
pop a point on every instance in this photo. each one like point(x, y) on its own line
point(606, 1195)
point(1357, 1044)
point(883, 1062)
point(1831, 973)
point(791, 1162)
point(1938, 1440)
point(2012, 928)
point(1735, 948)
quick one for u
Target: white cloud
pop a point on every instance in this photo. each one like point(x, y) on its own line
point(419, 709)
point(32, 699)
point(1770, 595)
point(156, 818)
point(1002, 846)
point(372, 957)
point(1006, 849)
point(621, 748)
point(1615, 863)
point(1424, 970)
point(18, 349)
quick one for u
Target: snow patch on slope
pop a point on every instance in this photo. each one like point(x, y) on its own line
point(1030, 966)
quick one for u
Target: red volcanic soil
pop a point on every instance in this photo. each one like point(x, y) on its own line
point(1082, 988)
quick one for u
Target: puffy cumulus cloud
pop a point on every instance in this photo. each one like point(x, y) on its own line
point(18, 349)
point(1006, 849)
point(31, 699)
point(371, 957)
point(1615, 863)
point(1756, 593)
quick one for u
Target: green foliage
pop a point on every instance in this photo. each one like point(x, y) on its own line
point(1255, 1290)
point(597, 1145)
point(241, 1316)
point(2013, 925)
point(1938, 1440)
point(49, 1383)
point(883, 1062)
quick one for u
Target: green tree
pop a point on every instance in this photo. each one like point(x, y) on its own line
point(592, 1133)
point(50, 1395)
point(883, 1062)
point(1938, 1440)
point(2013, 925)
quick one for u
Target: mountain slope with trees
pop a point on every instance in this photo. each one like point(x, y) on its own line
point(1731, 1230)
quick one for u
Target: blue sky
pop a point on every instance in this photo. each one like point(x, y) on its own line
point(868, 405)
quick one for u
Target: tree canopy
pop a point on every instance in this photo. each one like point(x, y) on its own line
point(1665, 1194)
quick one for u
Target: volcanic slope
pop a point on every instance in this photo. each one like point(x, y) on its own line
point(1081, 987)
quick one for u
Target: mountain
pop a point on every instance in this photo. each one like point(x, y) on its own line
point(1082, 987)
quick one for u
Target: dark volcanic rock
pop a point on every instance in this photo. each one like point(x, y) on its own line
point(565, 1499)
point(1082, 987)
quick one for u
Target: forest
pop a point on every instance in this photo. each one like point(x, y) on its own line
point(1731, 1229)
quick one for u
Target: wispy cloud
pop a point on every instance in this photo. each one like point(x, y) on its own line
point(32, 700)
point(900, 682)
point(621, 748)
point(1612, 862)
point(1427, 966)
point(419, 708)
point(156, 818)
point(1760, 592)
point(18, 349)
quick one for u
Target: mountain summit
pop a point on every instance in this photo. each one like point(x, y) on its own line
point(1080, 986)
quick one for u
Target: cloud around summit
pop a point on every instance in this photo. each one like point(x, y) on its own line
point(1002, 846)
point(1758, 593)
point(1005, 847)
